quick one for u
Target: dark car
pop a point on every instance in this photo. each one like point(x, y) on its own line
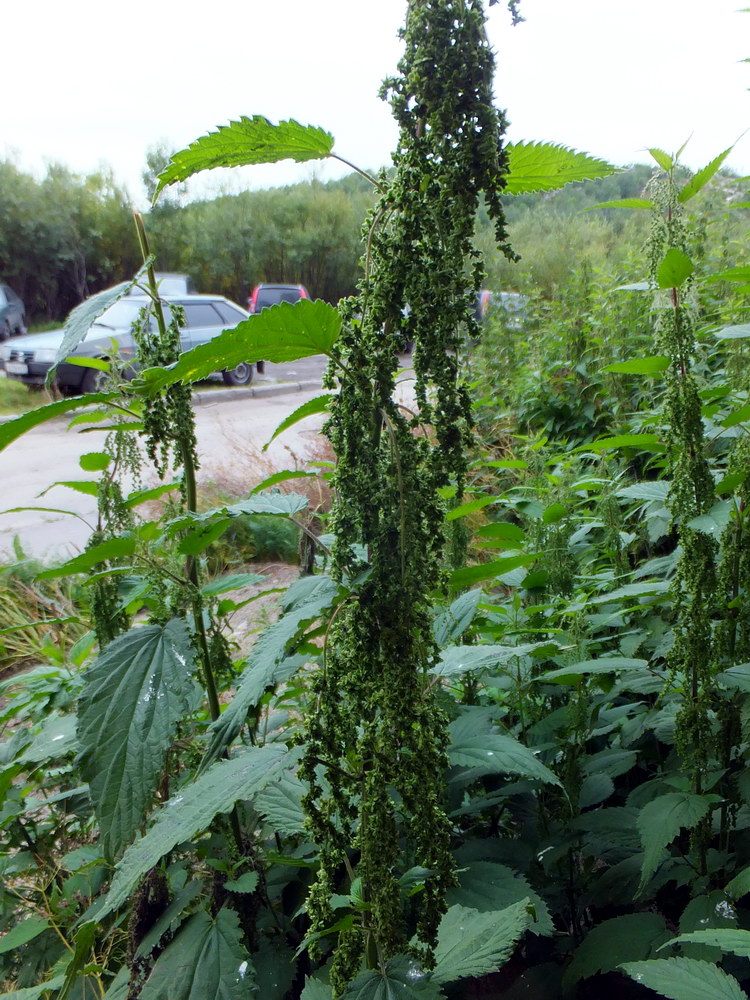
point(12, 313)
point(271, 295)
point(206, 316)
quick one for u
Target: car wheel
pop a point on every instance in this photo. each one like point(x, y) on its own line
point(93, 380)
point(241, 375)
point(5, 330)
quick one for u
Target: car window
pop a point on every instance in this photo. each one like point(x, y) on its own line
point(3, 299)
point(198, 314)
point(230, 316)
point(272, 296)
point(121, 315)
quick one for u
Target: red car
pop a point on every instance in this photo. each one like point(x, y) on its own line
point(271, 295)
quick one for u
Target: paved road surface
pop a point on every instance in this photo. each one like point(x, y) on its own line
point(230, 434)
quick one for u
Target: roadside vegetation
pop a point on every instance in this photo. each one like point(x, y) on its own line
point(496, 743)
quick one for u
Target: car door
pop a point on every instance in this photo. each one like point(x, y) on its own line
point(202, 323)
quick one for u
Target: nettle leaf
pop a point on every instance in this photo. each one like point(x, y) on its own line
point(456, 660)
point(135, 693)
point(495, 753)
point(675, 268)
point(206, 961)
point(319, 404)
point(190, 812)
point(642, 203)
point(628, 938)
point(473, 944)
point(737, 331)
point(487, 886)
point(268, 655)
point(453, 622)
point(544, 166)
point(604, 665)
point(233, 581)
point(94, 461)
point(699, 180)
point(645, 491)
point(470, 507)
point(401, 979)
point(727, 939)
point(315, 990)
point(660, 821)
point(715, 521)
point(467, 575)
point(83, 316)
point(647, 442)
point(56, 739)
point(664, 160)
point(22, 933)
point(113, 548)
point(685, 979)
point(246, 142)
point(653, 365)
point(11, 430)
point(286, 332)
point(281, 804)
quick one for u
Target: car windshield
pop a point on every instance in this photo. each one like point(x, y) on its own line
point(123, 313)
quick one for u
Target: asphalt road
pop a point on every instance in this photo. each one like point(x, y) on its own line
point(231, 432)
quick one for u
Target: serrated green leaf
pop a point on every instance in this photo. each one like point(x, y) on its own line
point(488, 571)
point(245, 142)
point(266, 658)
point(22, 933)
point(474, 944)
point(83, 316)
point(628, 938)
point(206, 961)
point(281, 477)
point(83, 946)
point(739, 886)
point(648, 442)
point(486, 886)
point(685, 979)
point(319, 404)
point(661, 820)
point(604, 665)
point(191, 811)
point(664, 160)
point(453, 622)
point(674, 270)
point(470, 507)
point(198, 538)
point(11, 430)
point(138, 497)
point(699, 180)
point(55, 739)
point(94, 461)
point(739, 416)
point(501, 530)
point(495, 753)
point(113, 548)
point(34, 992)
point(554, 513)
point(281, 804)
point(135, 693)
point(645, 491)
point(740, 274)
point(544, 166)
point(642, 203)
point(285, 332)
point(715, 521)
point(728, 939)
point(707, 913)
point(87, 487)
point(233, 581)
point(738, 331)
point(315, 990)
point(457, 660)
point(652, 365)
point(401, 979)
point(245, 883)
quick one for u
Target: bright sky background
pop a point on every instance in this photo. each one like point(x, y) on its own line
point(94, 82)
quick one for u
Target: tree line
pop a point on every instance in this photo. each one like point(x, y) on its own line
point(67, 235)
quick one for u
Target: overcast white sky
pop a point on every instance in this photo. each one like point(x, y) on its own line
point(92, 82)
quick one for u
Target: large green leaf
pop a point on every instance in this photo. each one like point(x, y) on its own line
point(268, 654)
point(494, 753)
point(281, 804)
point(653, 365)
point(702, 177)
point(206, 961)
point(245, 142)
point(191, 811)
point(22, 933)
point(737, 331)
point(286, 332)
point(628, 938)
point(11, 430)
point(467, 575)
point(473, 944)
point(604, 665)
point(55, 739)
point(81, 318)
point(113, 548)
point(400, 980)
point(453, 622)
point(641, 203)
point(648, 442)
point(456, 660)
point(34, 992)
point(660, 820)
point(674, 269)
point(685, 979)
point(727, 938)
point(487, 886)
point(319, 404)
point(544, 166)
point(135, 694)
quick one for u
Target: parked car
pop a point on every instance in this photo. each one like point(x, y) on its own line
point(271, 295)
point(12, 313)
point(169, 283)
point(510, 305)
point(206, 316)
